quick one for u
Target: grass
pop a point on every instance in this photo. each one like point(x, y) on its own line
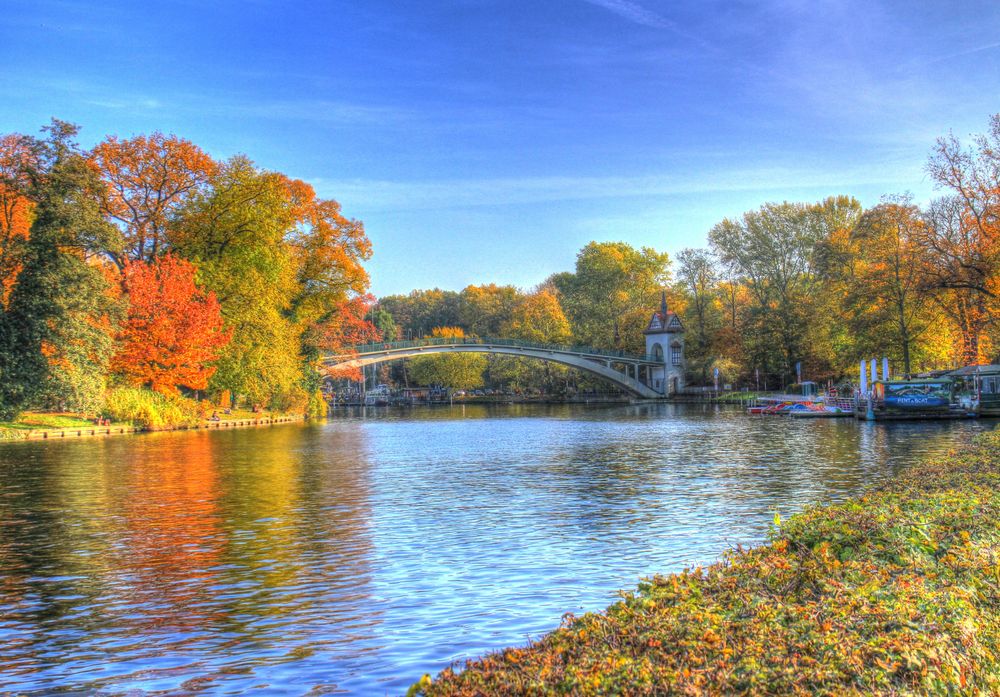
point(896, 592)
point(31, 421)
point(35, 421)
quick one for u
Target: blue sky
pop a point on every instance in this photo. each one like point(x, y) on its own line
point(488, 140)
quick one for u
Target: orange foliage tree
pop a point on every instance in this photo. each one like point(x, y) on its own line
point(962, 240)
point(329, 248)
point(148, 179)
point(345, 328)
point(174, 329)
point(16, 157)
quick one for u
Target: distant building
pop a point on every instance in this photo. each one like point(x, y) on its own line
point(665, 342)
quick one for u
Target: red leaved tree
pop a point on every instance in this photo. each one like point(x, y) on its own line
point(16, 158)
point(347, 327)
point(174, 329)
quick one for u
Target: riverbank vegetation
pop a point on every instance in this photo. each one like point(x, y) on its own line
point(895, 592)
point(141, 276)
point(821, 284)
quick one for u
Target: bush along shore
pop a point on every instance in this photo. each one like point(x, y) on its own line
point(135, 410)
point(896, 592)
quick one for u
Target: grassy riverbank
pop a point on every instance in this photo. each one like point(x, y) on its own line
point(134, 409)
point(894, 592)
point(32, 421)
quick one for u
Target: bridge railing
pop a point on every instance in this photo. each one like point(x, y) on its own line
point(513, 343)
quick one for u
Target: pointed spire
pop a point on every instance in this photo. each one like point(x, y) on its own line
point(663, 305)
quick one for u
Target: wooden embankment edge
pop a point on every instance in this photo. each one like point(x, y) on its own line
point(103, 431)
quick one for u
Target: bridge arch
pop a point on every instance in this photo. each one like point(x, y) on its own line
point(596, 364)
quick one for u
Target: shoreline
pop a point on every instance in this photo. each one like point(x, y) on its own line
point(95, 431)
point(895, 591)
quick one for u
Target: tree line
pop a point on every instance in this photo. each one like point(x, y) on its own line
point(821, 285)
point(143, 262)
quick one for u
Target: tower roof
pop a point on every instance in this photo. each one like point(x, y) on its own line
point(664, 321)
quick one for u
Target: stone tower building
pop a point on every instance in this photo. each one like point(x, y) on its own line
point(665, 342)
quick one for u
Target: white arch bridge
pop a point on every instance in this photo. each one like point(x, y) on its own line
point(631, 372)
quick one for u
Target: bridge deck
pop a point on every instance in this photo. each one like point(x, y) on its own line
point(583, 351)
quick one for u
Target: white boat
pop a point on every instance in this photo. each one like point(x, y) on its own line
point(378, 397)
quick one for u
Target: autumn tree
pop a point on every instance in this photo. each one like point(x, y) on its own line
point(540, 318)
point(889, 308)
point(56, 334)
point(173, 331)
point(485, 309)
point(346, 328)
point(329, 250)
point(537, 317)
point(148, 180)
point(17, 160)
point(962, 237)
point(772, 252)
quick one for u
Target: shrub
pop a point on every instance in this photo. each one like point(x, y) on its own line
point(317, 407)
point(149, 410)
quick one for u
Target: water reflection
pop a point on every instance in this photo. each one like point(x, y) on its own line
point(356, 555)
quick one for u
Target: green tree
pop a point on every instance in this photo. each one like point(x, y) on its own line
point(697, 283)
point(56, 332)
point(460, 371)
point(235, 232)
point(384, 322)
point(773, 254)
point(419, 312)
point(611, 292)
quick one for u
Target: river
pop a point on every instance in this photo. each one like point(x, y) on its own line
point(353, 556)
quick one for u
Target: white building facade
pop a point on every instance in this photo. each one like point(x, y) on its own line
point(665, 342)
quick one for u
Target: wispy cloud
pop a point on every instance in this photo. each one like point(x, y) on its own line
point(317, 110)
point(957, 54)
point(776, 182)
point(635, 13)
point(126, 103)
point(102, 95)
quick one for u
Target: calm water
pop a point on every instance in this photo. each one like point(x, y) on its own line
point(357, 555)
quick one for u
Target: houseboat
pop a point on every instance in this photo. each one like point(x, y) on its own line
point(930, 398)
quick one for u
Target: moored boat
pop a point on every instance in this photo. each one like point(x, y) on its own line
point(927, 398)
point(984, 382)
